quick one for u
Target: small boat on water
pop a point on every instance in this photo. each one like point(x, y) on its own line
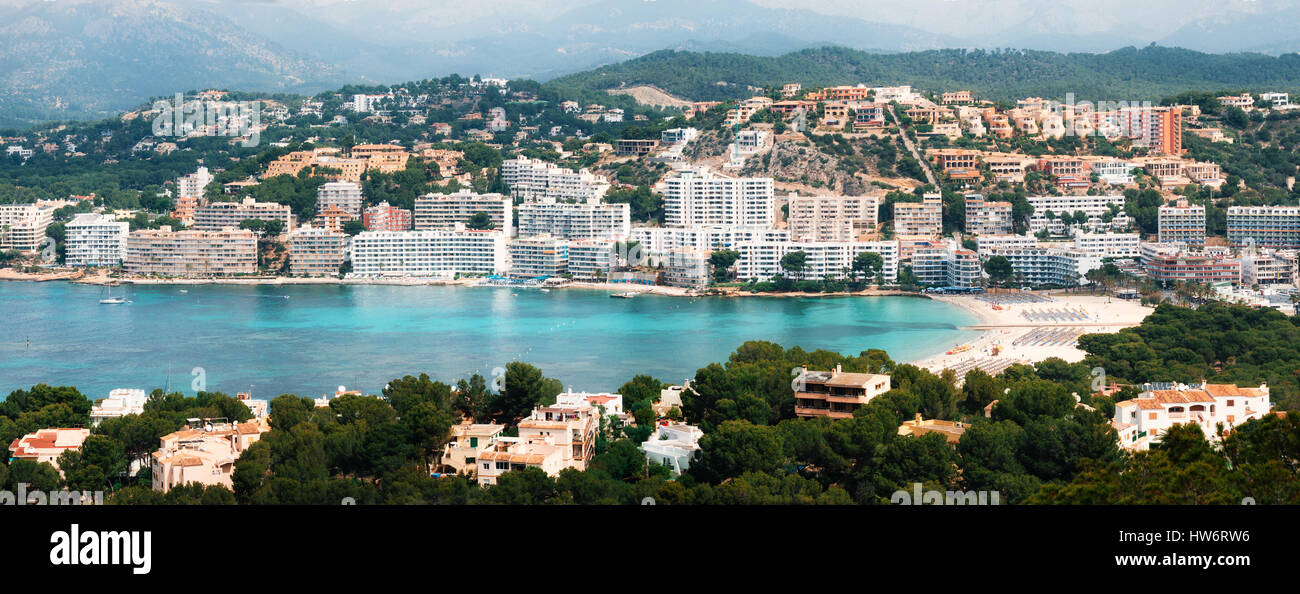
point(624, 295)
point(546, 290)
point(109, 299)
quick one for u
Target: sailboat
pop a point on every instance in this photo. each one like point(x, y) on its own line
point(110, 299)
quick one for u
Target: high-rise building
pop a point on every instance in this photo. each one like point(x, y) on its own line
point(22, 226)
point(538, 256)
point(987, 217)
point(832, 218)
point(96, 240)
point(1264, 226)
point(701, 197)
point(535, 179)
point(345, 196)
point(1181, 223)
point(191, 253)
point(433, 253)
point(581, 220)
point(220, 215)
point(445, 211)
point(923, 218)
point(384, 217)
point(314, 251)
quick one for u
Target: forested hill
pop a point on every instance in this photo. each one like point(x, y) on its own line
point(1126, 74)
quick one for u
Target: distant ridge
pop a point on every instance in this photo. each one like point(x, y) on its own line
point(1130, 73)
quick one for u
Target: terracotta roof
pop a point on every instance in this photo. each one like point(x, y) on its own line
point(1223, 390)
point(1148, 404)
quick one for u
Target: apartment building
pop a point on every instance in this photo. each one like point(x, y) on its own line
point(316, 251)
point(706, 237)
point(385, 217)
point(1159, 129)
point(44, 446)
point(836, 394)
point(1264, 226)
point(22, 226)
point(1049, 266)
point(538, 256)
point(1107, 245)
point(1008, 168)
point(958, 163)
point(632, 147)
point(923, 218)
point(575, 221)
point(445, 211)
point(957, 97)
point(1172, 264)
point(220, 215)
point(193, 185)
point(1141, 421)
point(945, 264)
point(120, 402)
point(469, 441)
point(205, 455)
point(345, 196)
point(673, 445)
point(431, 253)
point(529, 178)
point(832, 218)
point(1115, 173)
point(191, 253)
point(592, 259)
point(1272, 268)
point(987, 217)
point(96, 240)
point(551, 438)
point(1096, 208)
point(761, 260)
point(985, 244)
point(1181, 223)
point(702, 197)
point(688, 268)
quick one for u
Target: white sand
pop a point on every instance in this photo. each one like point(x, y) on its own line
point(1003, 327)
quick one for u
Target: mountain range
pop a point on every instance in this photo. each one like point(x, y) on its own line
point(89, 58)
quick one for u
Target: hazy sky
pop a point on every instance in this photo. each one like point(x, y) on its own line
point(967, 19)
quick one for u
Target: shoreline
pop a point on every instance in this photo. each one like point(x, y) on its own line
point(1016, 334)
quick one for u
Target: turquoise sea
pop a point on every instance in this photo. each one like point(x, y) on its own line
point(309, 339)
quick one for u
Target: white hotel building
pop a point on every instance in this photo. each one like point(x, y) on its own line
point(445, 211)
point(1142, 420)
point(592, 259)
point(761, 260)
point(1107, 245)
point(703, 237)
point(431, 253)
point(702, 197)
point(22, 226)
point(1094, 206)
point(985, 244)
point(96, 240)
point(575, 221)
point(530, 178)
point(1049, 266)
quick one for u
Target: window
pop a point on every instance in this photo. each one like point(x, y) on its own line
point(1229, 403)
point(1151, 416)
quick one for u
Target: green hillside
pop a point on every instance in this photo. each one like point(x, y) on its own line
point(1127, 74)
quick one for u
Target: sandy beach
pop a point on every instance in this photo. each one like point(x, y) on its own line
point(1032, 332)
